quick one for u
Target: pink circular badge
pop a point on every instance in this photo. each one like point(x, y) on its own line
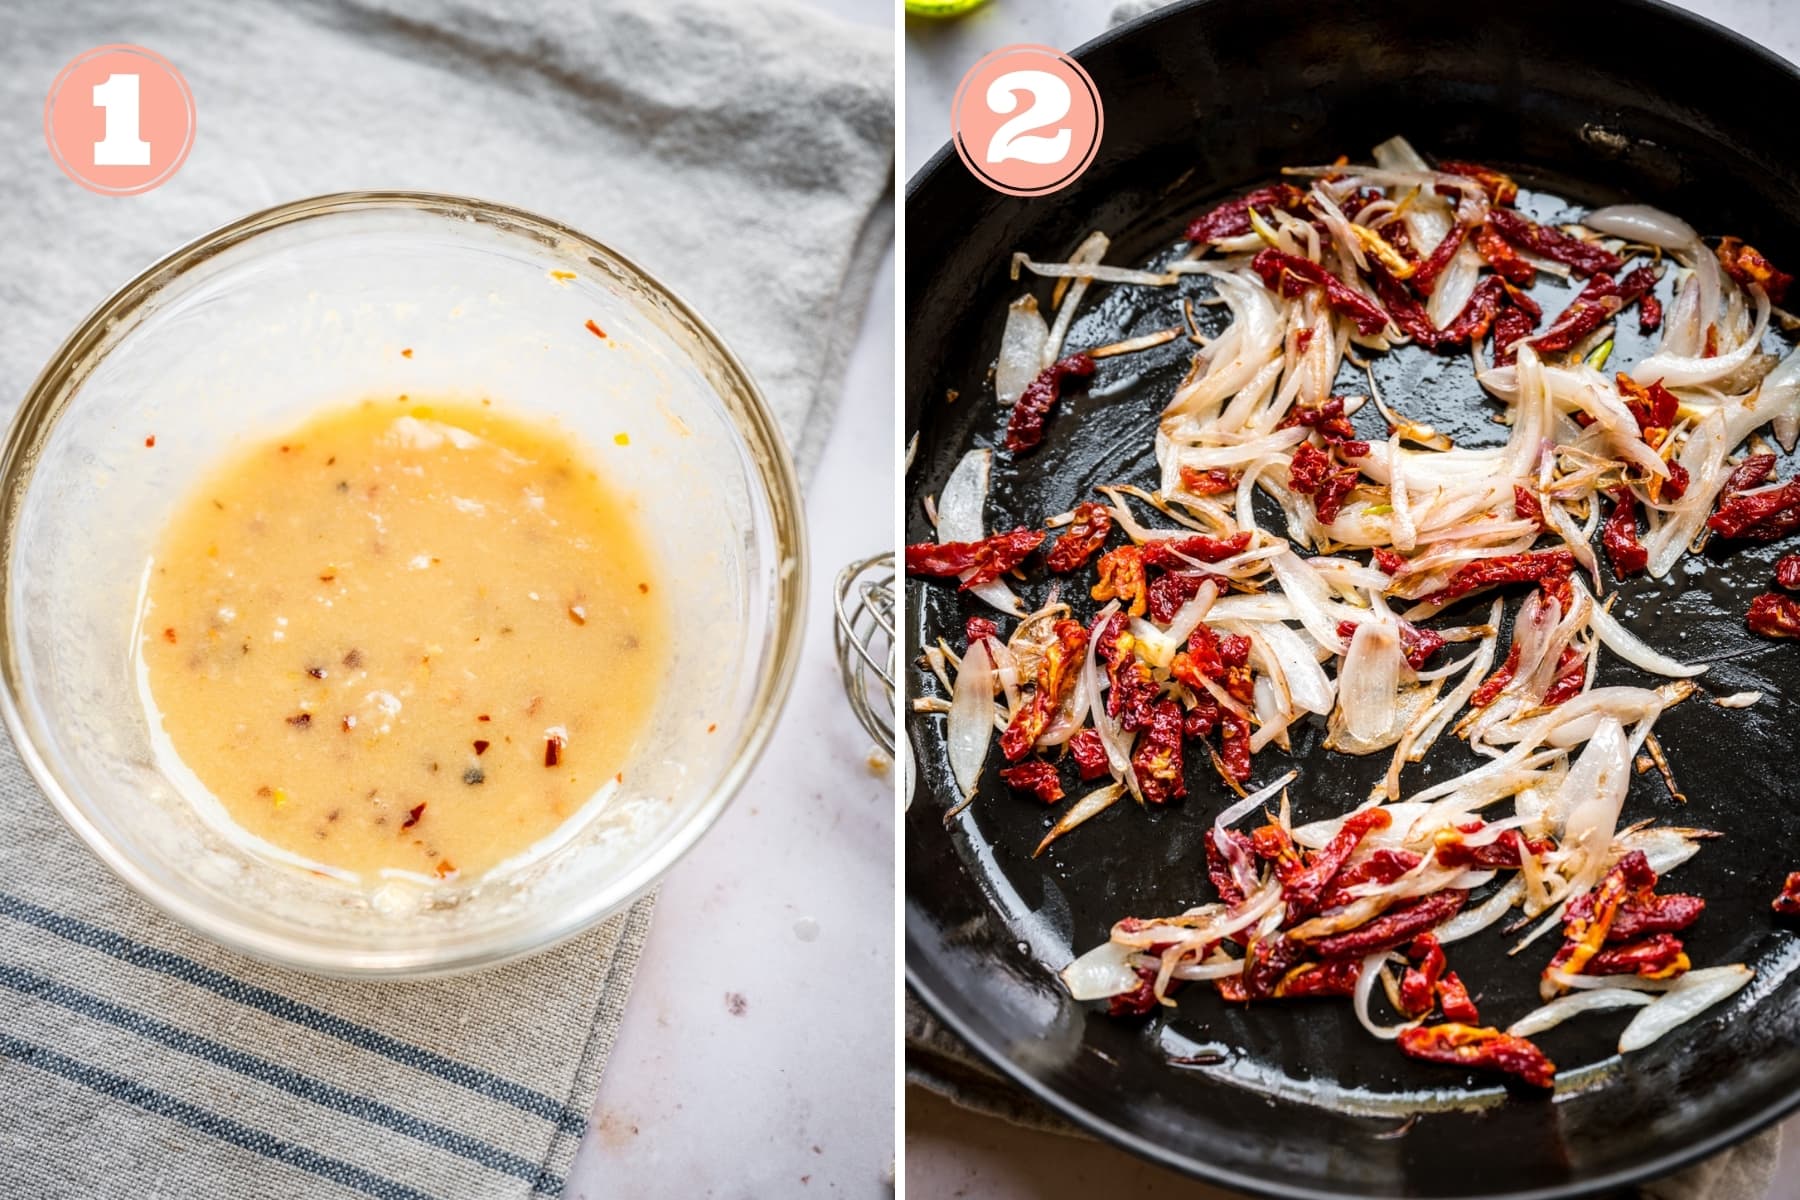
point(1026, 120)
point(119, 120)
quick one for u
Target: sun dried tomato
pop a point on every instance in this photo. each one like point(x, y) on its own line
point(1426, 276)
point(1592, 307)
point(1503, 852)
point(1675, 486)
point(976, 629)
point(1169, 591)
point(1196, 482)
point(1310, 468)
point(1056, 679)
point(1761, 515)
point(1526, 506)
point(1266, 961)
point(1774, 615)
point(1641, 915)
point(1234, 744)
point(1289, 276)
point(1478, 313)
point(1571, 674)
point(1787, 903)
point(1319, 979)
point(1181, 553)
point(1500, 255)
point(1653, 407)
point(1387, 561)
point(1499, 186)
point(1634, 288)
point(1232, 218)
point(1273, 844)
point(1496, 683)
point(1408, 315)
point(1131, 690)
point(1303, 886)
point(1584, 258)
point(1787, 572)
point(1584, 933)
point(1754, 471)
point(1743, 263)
point(1157, 759)
point(1454, 999)
point(1025, 428)
point(1419, 644)
point(1620, 536)
point(1122, 579)
point(1650, 314)
point(1395, 927)
point(1381, 866)
point(1202, 719)
point(1536, 567)
point(1658, 956)
point(1089, 753)
point(1218, 866)
point(1036, 778)
point(1082, 539)
point(1139, 1001)
point(1461, 1045)
point(986, 560)
point(1419, 984)
point(1329, 420)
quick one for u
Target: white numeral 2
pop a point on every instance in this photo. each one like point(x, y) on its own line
point(1049, 103)
point(121, 147)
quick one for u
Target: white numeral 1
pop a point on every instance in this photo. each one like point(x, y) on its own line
point(121, 147)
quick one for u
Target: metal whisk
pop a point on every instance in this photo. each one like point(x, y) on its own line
point(866, 644)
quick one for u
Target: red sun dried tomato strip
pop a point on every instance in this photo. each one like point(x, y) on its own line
point(1025, 428)
point(1168, 592)
point(1498, 185)
point(1535, 567)
point(1139, 1001)
point(1122, 578)
point(1653, 407)
point(1157, 758)
point(1395, 927)
point(1585, 933)
point(1207, 483)
point(1462, 1045)
point(1454, 999)
point(1526, 505)
point(1500, 255)
point(1408, 314)
point(1304, 885)
point(1583, 258)
point(1218, 868)
point(1082, 539)
point(1774, 615)
point(1658, 956)
point(1289, 276)
point(1763, 516)
point(1593, 306)
point(1787, 572)
point(1425, 278)
point(1180, 553)
point(1485, 303)
point(988, 559)
point(1571, 673)
point(1131, 690)
point(976, 629)
point(1057, 674)
point(1232, 218)
point(1035, 778)
point(1496, 683)
point(1642, 915)
point(1743, 263)
point(1620, 536)
point(1502, 852)
point(1089, 753)
point(1382, 866)
point(1419, 985)
point(1319, 979)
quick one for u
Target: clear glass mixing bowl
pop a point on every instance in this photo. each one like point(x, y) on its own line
point(248, 331)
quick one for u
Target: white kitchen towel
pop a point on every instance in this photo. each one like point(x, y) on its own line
point(740, 152)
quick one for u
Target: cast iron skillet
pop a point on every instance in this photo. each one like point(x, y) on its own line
point(1594, 102)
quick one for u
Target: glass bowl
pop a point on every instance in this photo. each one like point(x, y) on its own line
point(250, 330)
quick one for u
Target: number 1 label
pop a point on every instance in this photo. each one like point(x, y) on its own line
point(121, 147)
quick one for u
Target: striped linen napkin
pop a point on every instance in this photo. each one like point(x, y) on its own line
point(741, 152)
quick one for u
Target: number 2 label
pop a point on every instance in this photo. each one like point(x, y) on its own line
point(1027, 120)
point(122, 146)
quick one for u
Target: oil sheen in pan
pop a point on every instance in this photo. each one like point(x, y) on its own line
point(1132, 862)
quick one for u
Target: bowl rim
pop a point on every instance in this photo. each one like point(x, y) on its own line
point(58, 385)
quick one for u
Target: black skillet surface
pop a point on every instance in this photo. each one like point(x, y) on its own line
point(1595, 102)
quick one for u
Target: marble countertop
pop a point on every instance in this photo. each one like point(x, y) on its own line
point(756, 1055)
point(951, 1152)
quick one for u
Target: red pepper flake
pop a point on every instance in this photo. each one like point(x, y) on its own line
point(316, 672)
point(481, 746)
point(1035, 778)
point(1787, 904)
point(578, 614)
point(984, 561)
point(1025, 427)
point(1083, 538)
point(553, 748)
point(348, 723)
point(644, 588)
point(713, 728)
point(444, 868)
point(169, 635)
point(406, 353)
point(482, 717)
point(150, 441)
point(300, 720)
point(412, 815)
point(353, 659)
point(595, 329)
point(1471, 1046)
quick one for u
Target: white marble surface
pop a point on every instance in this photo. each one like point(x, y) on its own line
point(949, 1152)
